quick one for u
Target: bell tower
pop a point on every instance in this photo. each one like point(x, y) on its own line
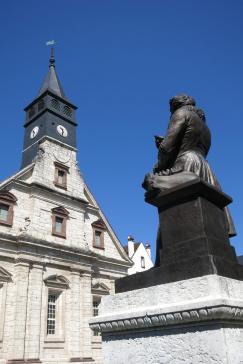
point(50, 115)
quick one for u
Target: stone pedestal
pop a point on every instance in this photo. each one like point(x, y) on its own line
point(193, 321)
point(189, 309)
point(193, 235)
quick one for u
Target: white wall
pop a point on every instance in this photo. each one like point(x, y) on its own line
point(136, 258)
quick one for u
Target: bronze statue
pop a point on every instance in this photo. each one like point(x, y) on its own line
point(182, 153)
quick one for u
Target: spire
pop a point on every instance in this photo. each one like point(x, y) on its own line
point(51, 81)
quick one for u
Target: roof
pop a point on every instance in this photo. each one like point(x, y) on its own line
point(136, 245)
point(51, 81)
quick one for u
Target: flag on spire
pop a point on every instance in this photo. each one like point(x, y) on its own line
point(50, 42)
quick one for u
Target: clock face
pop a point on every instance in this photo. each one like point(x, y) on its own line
point(62, 131)
point(34, 132)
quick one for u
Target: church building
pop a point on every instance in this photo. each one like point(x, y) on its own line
point(58, 253)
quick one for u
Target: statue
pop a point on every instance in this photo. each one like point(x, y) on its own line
point(182, 154)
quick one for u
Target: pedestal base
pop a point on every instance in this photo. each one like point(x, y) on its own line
point(199, 320)
point(192, 240)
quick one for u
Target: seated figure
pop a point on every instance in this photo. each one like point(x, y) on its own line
point(182, 152)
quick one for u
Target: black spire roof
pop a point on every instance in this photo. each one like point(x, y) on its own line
point(52, 82)
point(46, 115)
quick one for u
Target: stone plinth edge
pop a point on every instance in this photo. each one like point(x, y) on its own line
point(82, 360)
point(214, 311)
point(187, 191)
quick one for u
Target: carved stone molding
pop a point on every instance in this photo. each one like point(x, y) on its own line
point(217, 313)
point(57, 281)
point(5, 276)
point(100, 288)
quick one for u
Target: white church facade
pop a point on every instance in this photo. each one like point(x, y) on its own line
point(58, 253)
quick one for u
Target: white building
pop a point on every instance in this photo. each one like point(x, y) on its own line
point(140, 254)
point(58, 253)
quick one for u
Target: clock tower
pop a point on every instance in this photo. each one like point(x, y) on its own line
point(58, 253)
point(50, 115)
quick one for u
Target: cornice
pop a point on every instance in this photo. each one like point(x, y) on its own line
point(48, 92)
point(36, 187)
point(223, 313)
point(48, 248)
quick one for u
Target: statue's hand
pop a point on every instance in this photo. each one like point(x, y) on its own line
point(148, 180)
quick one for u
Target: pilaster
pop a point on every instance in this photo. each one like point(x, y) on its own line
point(75, 312)
point(22, 284)
point(33, 327)
point(86, 313)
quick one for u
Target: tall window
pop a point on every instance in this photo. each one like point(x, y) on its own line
point(51, 313)
point(7, 202)
point(60, 178)
point(96, 302)
point(142, 262)
point(56, 286)
point(98, 234)
point(59, 221)
point(4, 211)
point(59, 224)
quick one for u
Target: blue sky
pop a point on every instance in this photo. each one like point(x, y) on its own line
point(120, 62)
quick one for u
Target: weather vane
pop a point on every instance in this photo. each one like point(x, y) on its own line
point(51, 43)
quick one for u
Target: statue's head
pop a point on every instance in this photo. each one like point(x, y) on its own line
point(181, 100)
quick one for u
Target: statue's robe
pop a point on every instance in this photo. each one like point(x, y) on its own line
point(184, 149)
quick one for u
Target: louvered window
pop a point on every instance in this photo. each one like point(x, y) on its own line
point(67, 111)
point(55, 104)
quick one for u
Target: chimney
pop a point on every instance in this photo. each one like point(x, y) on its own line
point(148, 249)
point(130, 245)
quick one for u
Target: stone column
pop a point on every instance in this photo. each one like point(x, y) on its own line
point(86, 310)
point(19, 335)
point(32, 344)
point(75, 322)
